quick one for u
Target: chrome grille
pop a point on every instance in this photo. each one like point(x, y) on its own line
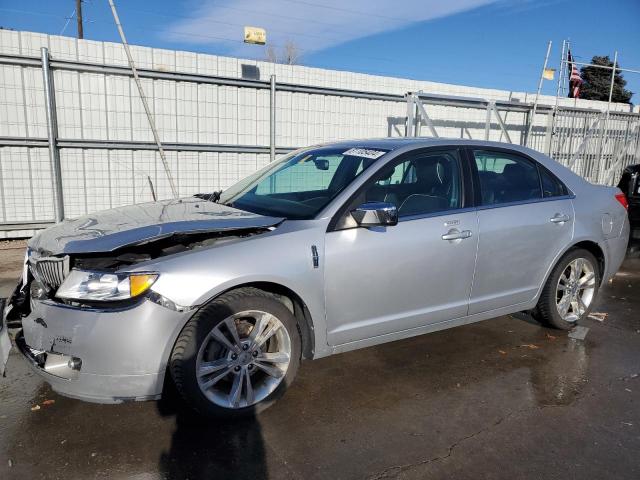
point(51, 270)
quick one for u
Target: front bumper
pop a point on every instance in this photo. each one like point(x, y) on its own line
point(118, 355)
point(5, 342)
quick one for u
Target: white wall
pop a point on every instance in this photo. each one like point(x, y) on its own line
point(94, 106)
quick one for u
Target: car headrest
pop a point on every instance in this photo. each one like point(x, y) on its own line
point(431, 170)
point(513, 171)
point(386, 175)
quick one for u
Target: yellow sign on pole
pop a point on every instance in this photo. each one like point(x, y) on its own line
point(255, 35)
point(549, 73)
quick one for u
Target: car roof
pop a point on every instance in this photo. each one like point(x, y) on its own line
point(419, 142)
point(404, 144)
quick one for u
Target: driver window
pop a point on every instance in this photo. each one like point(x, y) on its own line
point(424, 184)
point(396, 175)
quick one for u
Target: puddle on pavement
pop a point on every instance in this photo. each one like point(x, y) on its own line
point(559, 379)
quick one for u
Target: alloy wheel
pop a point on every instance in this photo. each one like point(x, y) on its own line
point(243, 359)
point(575, 290)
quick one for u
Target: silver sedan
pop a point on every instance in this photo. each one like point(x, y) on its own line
point(332, 248)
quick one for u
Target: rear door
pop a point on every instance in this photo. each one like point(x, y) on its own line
point(525, 218)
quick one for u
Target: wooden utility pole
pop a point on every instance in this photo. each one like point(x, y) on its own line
point(79, 18)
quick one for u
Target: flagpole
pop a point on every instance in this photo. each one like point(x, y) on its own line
point(613, 78)
point(555, 108)
point(561, 69)
point(569, 72)
point(535, 103)
point(573, 63)
point(606, 118)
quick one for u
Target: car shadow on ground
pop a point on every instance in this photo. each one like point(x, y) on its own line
point(210, 448)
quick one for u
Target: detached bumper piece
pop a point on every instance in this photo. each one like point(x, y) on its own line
point(5, 342)
point(56, 364)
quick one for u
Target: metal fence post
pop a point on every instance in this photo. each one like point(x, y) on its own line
point(272, 120)
point(487, 123)
point(548, 136)
point(606, 121)
point(52, 133)
point(410, 109)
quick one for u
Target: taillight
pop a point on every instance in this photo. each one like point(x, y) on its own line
point(622, 198)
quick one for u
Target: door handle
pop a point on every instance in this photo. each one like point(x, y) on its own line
point(558, 218)
point(455, 234)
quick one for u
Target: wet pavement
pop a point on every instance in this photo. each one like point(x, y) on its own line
point(505, 398)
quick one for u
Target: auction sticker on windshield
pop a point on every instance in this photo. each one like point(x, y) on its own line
point(365, 153)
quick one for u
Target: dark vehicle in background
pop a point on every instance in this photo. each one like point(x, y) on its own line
point(630, 186)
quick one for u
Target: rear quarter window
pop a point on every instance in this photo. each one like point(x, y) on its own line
point(551, 186)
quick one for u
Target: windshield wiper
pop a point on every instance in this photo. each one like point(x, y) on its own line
point(210, 197)
point(215, 196)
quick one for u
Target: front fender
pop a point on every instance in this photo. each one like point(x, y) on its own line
point(283, 257)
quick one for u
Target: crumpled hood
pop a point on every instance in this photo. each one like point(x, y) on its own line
point(134, 224)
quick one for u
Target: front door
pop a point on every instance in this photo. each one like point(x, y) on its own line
point(385, 280)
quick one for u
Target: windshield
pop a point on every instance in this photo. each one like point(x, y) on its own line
point(300, 185)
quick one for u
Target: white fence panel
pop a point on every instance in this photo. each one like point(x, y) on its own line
point(217, 129)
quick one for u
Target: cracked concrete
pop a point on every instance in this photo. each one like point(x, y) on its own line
point(472, 402)
point(393, 472)
point(398, 470)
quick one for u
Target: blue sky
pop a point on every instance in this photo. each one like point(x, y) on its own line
point(486, 43)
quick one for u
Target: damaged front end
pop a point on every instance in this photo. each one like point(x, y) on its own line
point(44, 274)
point(88, 319)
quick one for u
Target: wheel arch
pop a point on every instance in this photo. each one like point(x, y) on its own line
point(593, 248)
point(293, 302)
point(589, 245)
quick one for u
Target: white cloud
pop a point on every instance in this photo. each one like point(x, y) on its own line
point(312, 24)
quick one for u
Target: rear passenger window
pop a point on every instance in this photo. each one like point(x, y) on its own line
point(506, 177)
point(551, 186)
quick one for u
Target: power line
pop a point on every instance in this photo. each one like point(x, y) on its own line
point(236, 41)
point(193, 35)
point(298, 19)
point(217, 38)
point(143, 98)
point(66, 24)
point(146, 30)
point(354, 12)
point(184, 17)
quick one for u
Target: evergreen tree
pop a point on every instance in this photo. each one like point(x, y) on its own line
point(597, 81)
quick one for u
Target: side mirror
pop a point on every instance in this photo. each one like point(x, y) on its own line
point(376, 214)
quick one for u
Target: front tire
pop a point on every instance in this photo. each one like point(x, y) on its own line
point(237, 355)
point(571, 288)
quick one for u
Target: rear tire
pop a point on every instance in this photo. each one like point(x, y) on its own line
point(570, 291)
point(237, 355)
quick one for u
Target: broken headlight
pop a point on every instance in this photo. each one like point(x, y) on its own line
point(105, 287)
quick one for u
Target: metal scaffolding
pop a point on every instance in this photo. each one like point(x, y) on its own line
point(596, 144)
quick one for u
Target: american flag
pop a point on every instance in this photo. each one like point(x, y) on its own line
point(575, 80)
